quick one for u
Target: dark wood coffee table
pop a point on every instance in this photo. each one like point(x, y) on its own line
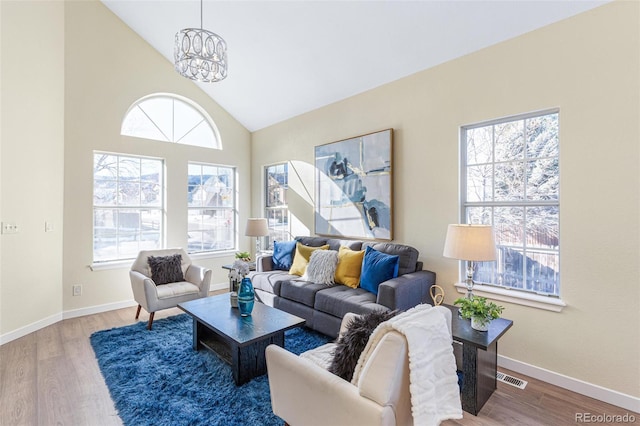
point(239, 341)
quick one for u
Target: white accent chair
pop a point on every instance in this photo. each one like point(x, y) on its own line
point(155, 298)
point(303, 392)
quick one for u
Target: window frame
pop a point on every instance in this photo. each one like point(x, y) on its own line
point(498, 291)
point(161, 209)
point(233, 208)
point(216, 143)
point(283, 207)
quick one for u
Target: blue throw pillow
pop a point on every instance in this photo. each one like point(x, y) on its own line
point(283, 254)
point(377, 267)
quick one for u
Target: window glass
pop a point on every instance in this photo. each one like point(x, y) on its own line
point(276, 207)
point(169, 118)
point(211, 208)
point(127, 206)
point(511, 174)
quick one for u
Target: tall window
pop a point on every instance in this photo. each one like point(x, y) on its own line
point(510, 175)
point(170, 118)
point(212, 208)
point(127, 205)
point(276, 209)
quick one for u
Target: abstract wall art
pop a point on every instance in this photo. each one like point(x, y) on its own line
point(354, 196)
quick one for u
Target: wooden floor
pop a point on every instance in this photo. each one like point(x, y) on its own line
point(51, 377)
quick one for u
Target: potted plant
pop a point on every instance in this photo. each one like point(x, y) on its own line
point(479, 310)
point(244, 255)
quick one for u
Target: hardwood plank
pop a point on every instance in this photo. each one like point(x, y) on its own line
point(52, 377)
point(18, 381)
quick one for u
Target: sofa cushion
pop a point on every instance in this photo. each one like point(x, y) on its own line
point(270, 281)
point(322, 267)
point(377, 267)
point(335, 244)
point(408, 255)
point(312, 241)
point(349, 267)
point(166, 269)
point(282, 257)
point(353, 341)
point(301, 258)
point(340, 299)
point(300, 291)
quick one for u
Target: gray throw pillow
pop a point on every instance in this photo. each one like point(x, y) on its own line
point(322, 267)
point(166, 269)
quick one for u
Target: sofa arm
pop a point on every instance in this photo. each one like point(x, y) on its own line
point(406, 291)
point(199, 276)
point(303, 393)
point(263, 263)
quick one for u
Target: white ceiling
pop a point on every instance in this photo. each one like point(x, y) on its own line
point(290, 57)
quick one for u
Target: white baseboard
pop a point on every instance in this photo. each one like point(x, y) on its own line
point(600, 393)
point(45, 322)
point(28, 329)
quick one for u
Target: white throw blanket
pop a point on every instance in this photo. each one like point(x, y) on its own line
point(435, 395)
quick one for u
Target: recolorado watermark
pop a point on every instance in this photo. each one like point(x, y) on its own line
point(605, 418)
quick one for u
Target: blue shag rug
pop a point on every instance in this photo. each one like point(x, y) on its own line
point(156, 378)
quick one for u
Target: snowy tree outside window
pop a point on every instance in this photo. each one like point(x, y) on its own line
point(510, 177)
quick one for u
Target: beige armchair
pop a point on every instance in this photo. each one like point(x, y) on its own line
point(303, 392)
point(154, 297)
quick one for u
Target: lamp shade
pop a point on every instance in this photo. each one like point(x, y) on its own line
point(470, 242)
point(256, 227)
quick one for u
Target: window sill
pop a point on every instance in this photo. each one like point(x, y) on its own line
point(547, 303)
point(126, 263)
point(116, 264)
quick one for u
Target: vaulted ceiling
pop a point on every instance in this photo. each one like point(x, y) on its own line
point(290, 57)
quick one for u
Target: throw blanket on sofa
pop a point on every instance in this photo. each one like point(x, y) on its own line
point(435, 395)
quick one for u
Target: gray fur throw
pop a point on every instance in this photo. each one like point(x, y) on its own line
point(322, 267)
point(351, 344)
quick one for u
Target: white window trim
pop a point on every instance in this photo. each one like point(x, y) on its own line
point(126, 263)
point(547, 303)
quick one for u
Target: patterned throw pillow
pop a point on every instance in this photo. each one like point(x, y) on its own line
point(166, 269)
point(322, 267)
point(353, 341)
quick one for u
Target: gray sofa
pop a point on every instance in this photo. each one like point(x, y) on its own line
point(323, 307)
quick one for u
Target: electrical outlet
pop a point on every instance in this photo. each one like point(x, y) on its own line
point(10, 228)
point(77, 290)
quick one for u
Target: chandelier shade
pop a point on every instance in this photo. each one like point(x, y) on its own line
point(200, 55)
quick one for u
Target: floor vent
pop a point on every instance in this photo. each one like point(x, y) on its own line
point(510, 380)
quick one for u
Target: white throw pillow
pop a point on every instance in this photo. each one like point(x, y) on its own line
point(322, 267)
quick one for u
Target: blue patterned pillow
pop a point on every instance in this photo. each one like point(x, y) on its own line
point(283, 254)
point(377, 267)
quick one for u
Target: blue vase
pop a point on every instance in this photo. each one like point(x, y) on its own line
point(246, 297)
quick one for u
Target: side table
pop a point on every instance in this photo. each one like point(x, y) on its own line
point(479, 359)
point(252, 267)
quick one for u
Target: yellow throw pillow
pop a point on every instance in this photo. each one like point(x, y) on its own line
point(349, 267)
point(301, 258)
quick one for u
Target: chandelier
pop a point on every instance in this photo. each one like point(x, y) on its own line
point(200, 54)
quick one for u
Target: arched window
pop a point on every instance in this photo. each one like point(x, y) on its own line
point(171, 118)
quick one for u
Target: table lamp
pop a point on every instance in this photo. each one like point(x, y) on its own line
point(471, 243)
point(257, 227)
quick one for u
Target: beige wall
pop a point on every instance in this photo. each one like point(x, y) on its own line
point(108, 67)
point(31, 161)
point(588, 66)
